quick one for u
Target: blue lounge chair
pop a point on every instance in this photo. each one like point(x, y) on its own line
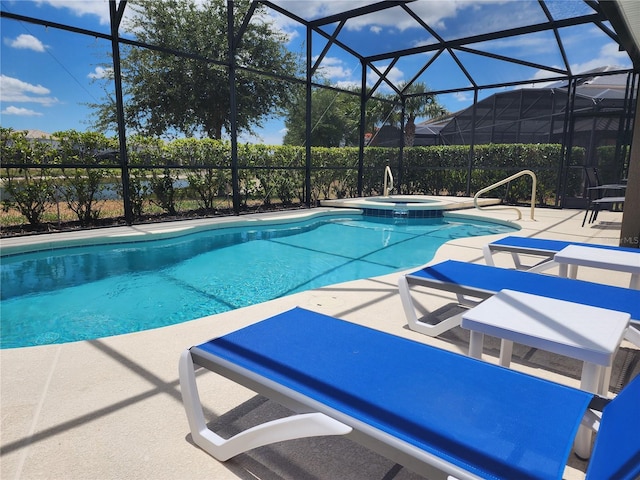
point(482, 281)
point(453, 415)
point(540, 247)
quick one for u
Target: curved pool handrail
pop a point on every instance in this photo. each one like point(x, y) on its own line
point(387, 176)
point(507, 180)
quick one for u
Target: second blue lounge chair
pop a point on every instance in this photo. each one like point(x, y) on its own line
point(482, 281)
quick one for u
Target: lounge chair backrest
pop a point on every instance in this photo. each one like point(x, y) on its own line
point(616, 454)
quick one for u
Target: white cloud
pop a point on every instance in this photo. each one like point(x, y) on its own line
point(463, 96)
point(12, 86)
point(609, 55)
point(282, 24)
point(376, 29)
point(395, 76)
point(15, 90)
point(347, 84)
point(334, 68)
point(431, 12)
point(21, 112)
point(540, 43)
point(542, 74)
point(312, 9)
point(101, 72)
point(80, 8)
point(26, 42)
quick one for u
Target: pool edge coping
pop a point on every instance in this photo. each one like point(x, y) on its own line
point(156, 231)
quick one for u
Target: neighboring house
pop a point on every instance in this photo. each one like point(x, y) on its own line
point(602, 115)
point(40, 136)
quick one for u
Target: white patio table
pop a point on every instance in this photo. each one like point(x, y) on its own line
point(583, 332)
point(573, 256)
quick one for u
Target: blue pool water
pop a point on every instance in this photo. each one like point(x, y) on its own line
point(84, 293)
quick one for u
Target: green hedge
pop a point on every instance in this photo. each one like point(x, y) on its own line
point(167, 174)
point(609, 171)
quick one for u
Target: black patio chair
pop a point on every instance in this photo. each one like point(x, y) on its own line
point(601, 196)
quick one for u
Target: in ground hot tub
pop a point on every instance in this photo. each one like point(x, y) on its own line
point(407, 206)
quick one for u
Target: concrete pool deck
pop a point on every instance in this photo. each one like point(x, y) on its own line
point(111, 408)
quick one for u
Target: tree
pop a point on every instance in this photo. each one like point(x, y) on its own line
point(419, 103)
point(165, 92)
point(84, 186)
point(329, 124)
point(30, 190)
point(335, 118)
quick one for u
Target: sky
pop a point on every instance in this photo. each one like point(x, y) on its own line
point(49, 77)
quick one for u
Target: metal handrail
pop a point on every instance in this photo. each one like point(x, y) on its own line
point(387, 176)
point(507, 180)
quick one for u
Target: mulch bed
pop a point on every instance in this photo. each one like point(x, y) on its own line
point(28, 229)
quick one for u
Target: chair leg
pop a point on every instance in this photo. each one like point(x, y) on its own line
point(415, 323)
point(585, 214)
point(594, 214)
point(302, 425)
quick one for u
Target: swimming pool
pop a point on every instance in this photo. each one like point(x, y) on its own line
point(81, 293)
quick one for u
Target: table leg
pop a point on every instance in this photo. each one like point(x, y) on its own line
point(563, 270)
point(573, 271)
point(590, 382)
point(506, 350)
point(635, 281)
point(475, 344)
point(605, 380)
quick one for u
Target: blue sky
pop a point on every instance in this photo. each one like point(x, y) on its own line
point(48, 75)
